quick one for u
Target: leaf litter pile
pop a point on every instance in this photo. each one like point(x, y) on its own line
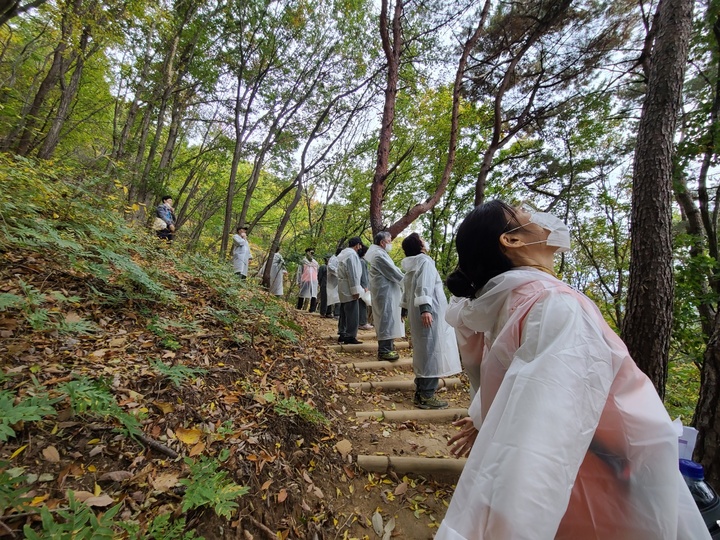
point(144, 394)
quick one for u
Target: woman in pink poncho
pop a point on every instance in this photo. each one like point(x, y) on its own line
point(567, 438)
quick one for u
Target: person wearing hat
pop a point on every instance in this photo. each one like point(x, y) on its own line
point(349, 289)
point(241, 252)
point(307, 279)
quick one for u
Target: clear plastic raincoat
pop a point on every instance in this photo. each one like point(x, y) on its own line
point(332, 281)
point(349, 272)
point(435, 350)
point(307, 278)
point(241, 254)
point(573, 440)
point(385, 289)
point(276, 274)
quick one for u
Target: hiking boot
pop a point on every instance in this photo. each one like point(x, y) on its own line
point(352, 341)
point(429, 403)
point(390, 356)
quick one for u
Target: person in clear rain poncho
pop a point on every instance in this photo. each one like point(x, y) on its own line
point(349, 272)
point(435, 350)
point(386, 292)
point(241, 252)
point(331, 287)
point(277, 273)
point(307, 280)
point(567, 438)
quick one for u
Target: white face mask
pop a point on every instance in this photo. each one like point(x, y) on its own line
point(388, 247)
point(559, 236)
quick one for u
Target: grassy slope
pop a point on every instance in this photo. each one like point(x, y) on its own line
point(118, 355)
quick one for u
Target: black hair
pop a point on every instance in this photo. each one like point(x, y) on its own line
point(480, 257)
point(412, 245)
point(354, 241)
point(363, 250)
point(310, 249)
point(240, 228)
point(166, 197)
point(382, 235)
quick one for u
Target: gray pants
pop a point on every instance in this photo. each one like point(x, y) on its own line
point(425, 386)
point(362, 310)
point(349, 320)
point(386, 346)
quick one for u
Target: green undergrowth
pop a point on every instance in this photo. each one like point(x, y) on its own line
point(45, 208)
point(49, 213)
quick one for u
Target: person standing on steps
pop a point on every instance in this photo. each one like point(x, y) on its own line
point(435, 351)
point(333, 297)
point(307, 279)
point(365, 296)
point(322, 287)
point(567, 438)
point(241, 252)
point(349, 271)
point(385, 288)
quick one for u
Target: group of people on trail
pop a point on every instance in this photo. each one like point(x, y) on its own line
point(565, 437)
point(416, 294)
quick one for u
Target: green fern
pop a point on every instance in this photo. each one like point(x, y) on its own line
point(77, 522)
point(91, 396)
point(13, 487)
point(209, 487)
point(9, 300)
point(30, 409)
point(178, 373)
point(293, 407)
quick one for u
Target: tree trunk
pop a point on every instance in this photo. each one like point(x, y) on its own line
point(68, 93)
point(648, 320)
point(393, 49)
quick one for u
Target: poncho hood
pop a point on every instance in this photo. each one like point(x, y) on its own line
point(411, 264)
point(481, 313)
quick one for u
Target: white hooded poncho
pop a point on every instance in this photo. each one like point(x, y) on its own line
point(435, 350)
point(307, 278)
point(385, 288)
point(349, 272)
point(573, 441)
point(241, 254)
point(276, 274)
point(333, 297)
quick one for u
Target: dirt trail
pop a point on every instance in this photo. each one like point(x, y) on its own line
point(416, 500)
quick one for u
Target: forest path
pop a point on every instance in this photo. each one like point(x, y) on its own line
point(409, 473)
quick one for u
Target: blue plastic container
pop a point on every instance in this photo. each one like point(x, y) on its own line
point(705, 496)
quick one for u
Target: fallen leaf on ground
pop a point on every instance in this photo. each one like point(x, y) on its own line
point(188, 436)
point(51, 454)
point(165, 481)
point(116, 476)
point(101, 500)
point(198, 449)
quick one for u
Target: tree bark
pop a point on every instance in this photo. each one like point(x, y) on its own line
point(648, 321)
point(68, 93)
point(393, 50)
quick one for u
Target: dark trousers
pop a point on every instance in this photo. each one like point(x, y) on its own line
point(349, 317)
point(313, 304)
point(242, 276)
point(323, 300)
point(362, 310)
point(385, 345)
point(425, 386)
point(166, 234)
